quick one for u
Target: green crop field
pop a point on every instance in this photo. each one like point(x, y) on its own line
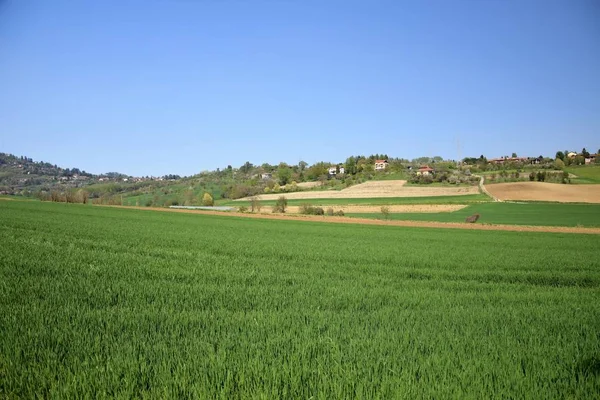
point(463, 199)
point(585, 174)
point(105, 302)
point(549, 214)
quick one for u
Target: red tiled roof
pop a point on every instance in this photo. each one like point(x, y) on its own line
point(425, 168)
point(380, 161)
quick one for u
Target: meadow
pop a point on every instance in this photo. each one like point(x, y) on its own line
point(585, 174)
point(548, 214)
point(105, 302)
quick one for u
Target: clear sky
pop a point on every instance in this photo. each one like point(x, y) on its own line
point(152, 87)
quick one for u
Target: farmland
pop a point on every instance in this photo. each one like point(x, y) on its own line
point(585, 174)
point(548, 214)
point(461, 199)
point(379, 189)
point(101, 302)
point(544, 191)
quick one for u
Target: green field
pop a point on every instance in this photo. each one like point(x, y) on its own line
point(101, 302)
point(585, 174)
point(465, 199)
point(549, 214)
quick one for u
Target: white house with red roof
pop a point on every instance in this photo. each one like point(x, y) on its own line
point(380, 165)
point(426, 170)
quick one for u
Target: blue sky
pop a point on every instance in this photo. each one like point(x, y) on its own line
point(156, 86)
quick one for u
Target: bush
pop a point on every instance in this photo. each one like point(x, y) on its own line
point(207, 200)
point(280, 205)
point(330, 211)
point(385, 212)
point(532, 176)
point(148, 202)
point(308, 209)
point(541, 176)
point(242, 209)
point(255, 205)
point(339, 213)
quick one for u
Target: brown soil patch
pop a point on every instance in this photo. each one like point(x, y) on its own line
point(412, 208)
point(542, 191)
point(365, 221)
point(375, 189)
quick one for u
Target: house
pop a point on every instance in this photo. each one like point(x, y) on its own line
point(266, 176)
point(591, 159)
point(333, 170)
point(426, 170)
point(502, 160)
point(380, 165)
point(571, 154)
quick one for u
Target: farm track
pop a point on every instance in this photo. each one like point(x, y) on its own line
point(366, 221)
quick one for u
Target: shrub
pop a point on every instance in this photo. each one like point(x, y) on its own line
point(82, 196)
point(473, 218)
point(280, 205)
point(148, 202)
point(532, 176)
point(255, 204)
point(207, 200)
point(541, 176)
point(242, 209)
point(330, 211)
point(385, 212)
point(308, 209)
point(339, 213)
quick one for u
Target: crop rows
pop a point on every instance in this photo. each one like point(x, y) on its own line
point(100, 302)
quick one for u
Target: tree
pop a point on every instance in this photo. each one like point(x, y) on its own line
point(579, 160)
point(302, 165)
point(559, 164)
point(585, 153)
point(207, 200)
point(284, 173)
point(560, 155)
point(350, 166)
point(514, 155)
point(246, 168)
point(280, 205)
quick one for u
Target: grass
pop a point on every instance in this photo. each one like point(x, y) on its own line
point(550, 214)
point(101, 302)
point(464, 199)
point(585, 174)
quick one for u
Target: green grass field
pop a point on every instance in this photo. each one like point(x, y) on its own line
point(549, 214)
point(585, 174)
point(101, 302)
point(465, 199)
